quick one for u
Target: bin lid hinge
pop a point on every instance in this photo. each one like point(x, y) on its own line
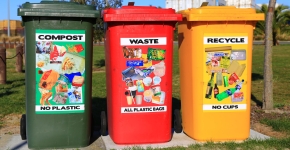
point(204, 4)
point(131, 3)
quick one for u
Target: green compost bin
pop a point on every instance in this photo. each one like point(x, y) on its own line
point(58, 73)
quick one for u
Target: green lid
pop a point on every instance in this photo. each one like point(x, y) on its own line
point(58, 9)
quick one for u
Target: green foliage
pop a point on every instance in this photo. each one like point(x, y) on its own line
point(100, 6)
point(281, 20)
point(99, 30)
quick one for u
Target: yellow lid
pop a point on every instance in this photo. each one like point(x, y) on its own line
point(221, 13)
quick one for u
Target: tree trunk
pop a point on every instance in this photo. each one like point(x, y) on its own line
point(268, 72)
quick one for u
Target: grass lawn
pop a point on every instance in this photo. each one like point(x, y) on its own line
point(281, 78)
point(12, 94)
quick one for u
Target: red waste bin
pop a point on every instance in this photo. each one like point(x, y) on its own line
point(139, 45)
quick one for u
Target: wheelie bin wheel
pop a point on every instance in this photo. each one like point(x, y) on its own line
point(177, 121)
point(23, 127)
point(103, 123)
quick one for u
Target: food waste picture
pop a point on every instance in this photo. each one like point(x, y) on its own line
point(60, 71)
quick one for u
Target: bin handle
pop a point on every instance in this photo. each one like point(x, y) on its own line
point(131, 3)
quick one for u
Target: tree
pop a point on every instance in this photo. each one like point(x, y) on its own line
point(268, 72)
point(83, 2)
point(100, 6)
point(280, 24)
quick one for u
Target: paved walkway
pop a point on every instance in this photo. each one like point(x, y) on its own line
point(14, 142)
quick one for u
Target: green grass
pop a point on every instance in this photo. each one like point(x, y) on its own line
point(280, 124)
point(248, 144)
point(99, 58)
point(175, 75)
point(277, 144)
point(12, 94)
point(281, 78)
point(99, 93)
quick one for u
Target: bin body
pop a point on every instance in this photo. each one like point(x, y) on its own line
point(58, 70)
point(139, 73)
point(216, 42)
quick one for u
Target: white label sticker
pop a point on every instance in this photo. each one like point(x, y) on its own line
point(225, 40)
point(143, 41)
point(143, 109)
point(225, 107)
point(60, 37)
point(60, 108)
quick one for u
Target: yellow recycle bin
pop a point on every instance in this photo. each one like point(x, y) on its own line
point(215, 57)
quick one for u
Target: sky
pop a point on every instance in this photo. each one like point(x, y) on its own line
point(15, 3)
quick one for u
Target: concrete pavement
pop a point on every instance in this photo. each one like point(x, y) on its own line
point(14, 142)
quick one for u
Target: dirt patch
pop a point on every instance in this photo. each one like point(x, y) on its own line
point(97, 70)
point(258, 114)
point(264, 129)
point(11, 124)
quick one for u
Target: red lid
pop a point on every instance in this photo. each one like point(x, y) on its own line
point(140, 13)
